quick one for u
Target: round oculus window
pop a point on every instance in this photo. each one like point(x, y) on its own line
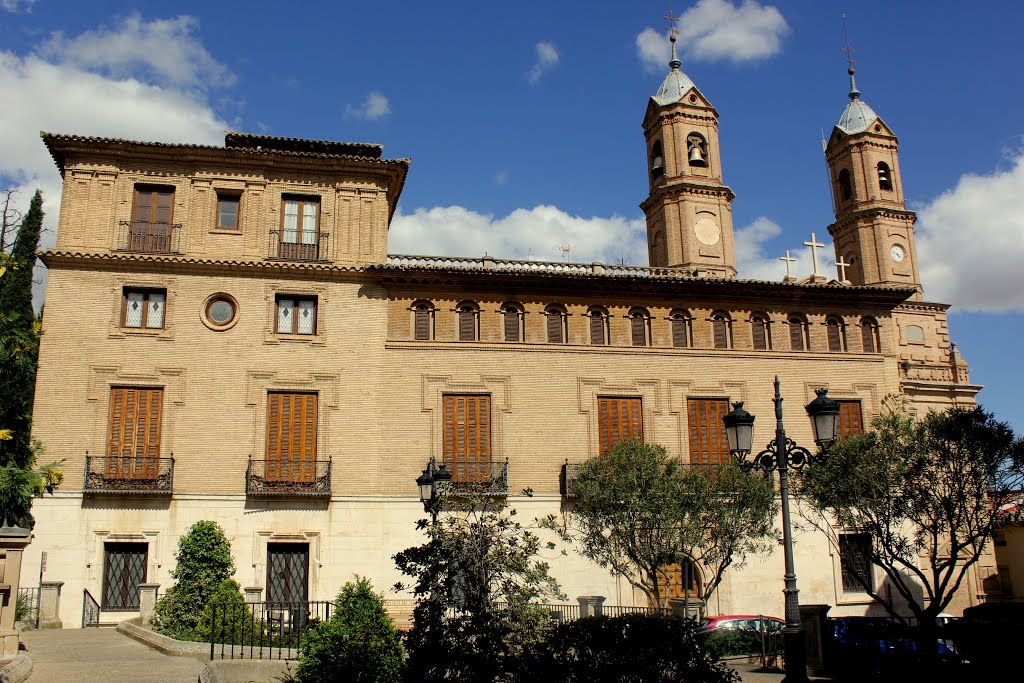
point(221, 311)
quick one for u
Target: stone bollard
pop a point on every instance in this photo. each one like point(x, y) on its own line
point(13, 541)
point(252, 594)
point(49, 604)
point(591, 605)
point(686, 609)
point(815, 621)
point(147, 602)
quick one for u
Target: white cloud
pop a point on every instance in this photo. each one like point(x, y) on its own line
point(970, 242)
point(754, 263)
point(547, 58)
point(525, 233)
point(501, 178)
point(16, 6)
point(163, 49)
point(719, 30)
point(374, 107)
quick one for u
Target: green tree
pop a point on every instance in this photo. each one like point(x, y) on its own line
point(929, 494)
point(203, 562)
point(359, 643)
point(478, 581)
point(20, 478)
point(637, 511)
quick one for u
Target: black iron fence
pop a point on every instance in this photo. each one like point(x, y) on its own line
point(26, 609)
point(131, 474)
point(290, 245)
point(288, 478)
point(149, 237)
point(263, 630)
point(90, 610)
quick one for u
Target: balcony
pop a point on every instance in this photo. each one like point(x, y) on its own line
point(149, 238)
point(128, 475)
point(293, 246)
point(488, 478)
point(288, 478)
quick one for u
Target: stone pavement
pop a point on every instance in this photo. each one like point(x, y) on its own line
point(753, 673)
point(102, 655)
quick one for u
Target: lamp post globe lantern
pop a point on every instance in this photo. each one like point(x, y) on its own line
point(739, 430)
point(824, 413)
point(425, 482)
point(442, 475)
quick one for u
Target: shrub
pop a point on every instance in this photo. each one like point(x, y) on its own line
point(631, 648)
point(359, 643)
point(234, 621)
point(203, 562)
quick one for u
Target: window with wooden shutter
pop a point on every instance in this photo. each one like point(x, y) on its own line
point(555, 325)
point(618, 419)
point(759, 329)
point(708, 443)
point(291, 436)
point(598, 320)
point(797, 334)
point(152, 210)
point(467, 437)
point(423, 321)
point(836, 335)
point(680, 329)
point(228, 204)
point(467, 322)
point(870, 340)
point(638, 328)
point(133, 436)
point(851, 422)
point(720, 330)
point(513, 319)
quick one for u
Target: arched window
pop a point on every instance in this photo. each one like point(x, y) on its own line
point(468, 321)
point(845, 187)
point(836, 334)
point(798, 338)
point(721, 330)
point(512, 315)
point(760, 331)
point(657, 161)
point(696, 149)
point(884, 176)
point(556, 324)
point(869, 336)
point(639, 327)
point(682, 332)
point(598, 318)
point(422, 320)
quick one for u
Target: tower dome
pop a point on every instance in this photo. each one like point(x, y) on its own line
point(858, 116)
point(676, 83)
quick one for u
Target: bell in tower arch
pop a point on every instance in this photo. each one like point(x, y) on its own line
point(698, 150)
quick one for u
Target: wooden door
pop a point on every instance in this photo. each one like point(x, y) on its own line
point(467, 437)
point(291, 436)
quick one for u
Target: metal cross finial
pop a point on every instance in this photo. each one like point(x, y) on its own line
point(841, 266)
point(671, 19)
point(846, 47)
point(789, 261)
point(814, 245)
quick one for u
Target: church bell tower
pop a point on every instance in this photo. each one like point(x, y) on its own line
point(873, 231)
point(689, 209)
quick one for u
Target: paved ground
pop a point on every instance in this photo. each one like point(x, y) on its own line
point(752, 673)
point(102, 655)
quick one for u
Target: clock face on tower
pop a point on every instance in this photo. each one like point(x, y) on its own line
point(897, 253)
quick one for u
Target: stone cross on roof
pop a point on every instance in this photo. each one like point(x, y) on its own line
point(789, 261)
point(841, 266)
point(814, 245)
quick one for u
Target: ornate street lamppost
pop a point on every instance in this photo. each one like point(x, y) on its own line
point(430, 482)
point(782, 454)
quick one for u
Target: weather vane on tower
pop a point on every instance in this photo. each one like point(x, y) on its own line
point(672, 25)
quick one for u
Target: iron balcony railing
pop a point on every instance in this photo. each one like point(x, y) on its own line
point(292, 246)
point(489, 478)
point(128, 474)
point(149, 237)
point(288, 478)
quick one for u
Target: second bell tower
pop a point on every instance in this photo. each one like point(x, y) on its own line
point(689, 209)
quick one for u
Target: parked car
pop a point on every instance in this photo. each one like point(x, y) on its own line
point(756, 623)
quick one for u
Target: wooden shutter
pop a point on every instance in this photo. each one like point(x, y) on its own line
point(467, 437)
point(835, 336)
point(151, 218)
point(796, 334)
point(133, 442)
point(511, 325)
point(869, 337)
point(619, 419)
point(638, 328)
point(708, 443)
point(467, 325)
point(759, 328)
point(597, 328)
point(680, 336)
point(719, 326)
point(291, 436)
point(682, 581)
point(421, 324)
point(851, 422)
point(555, 327)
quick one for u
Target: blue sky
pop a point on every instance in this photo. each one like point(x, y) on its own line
point(522, 119)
